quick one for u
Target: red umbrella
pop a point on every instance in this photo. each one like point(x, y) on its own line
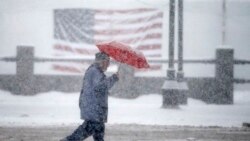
point(124, 54)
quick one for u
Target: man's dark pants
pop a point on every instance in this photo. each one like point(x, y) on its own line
point(87, 129)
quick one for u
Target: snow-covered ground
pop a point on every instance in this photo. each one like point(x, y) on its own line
point(56, 108)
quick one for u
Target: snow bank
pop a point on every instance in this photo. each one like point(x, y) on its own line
point(56, 108)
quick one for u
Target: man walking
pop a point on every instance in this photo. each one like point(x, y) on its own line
point(93, 101)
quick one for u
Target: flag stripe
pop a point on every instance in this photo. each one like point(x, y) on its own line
point(128, 31)
point(75, 50)
point(129, 11)
point(134, 40)
point(66, 68)
point(151, 36)
point(149, 47)
point(132, 21)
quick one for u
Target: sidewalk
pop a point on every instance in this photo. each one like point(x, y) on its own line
point(130, 132)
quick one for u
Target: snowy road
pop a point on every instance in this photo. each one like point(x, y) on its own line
point(130, 132)
point(53, 115)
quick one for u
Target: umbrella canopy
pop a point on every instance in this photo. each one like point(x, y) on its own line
point(124, 53)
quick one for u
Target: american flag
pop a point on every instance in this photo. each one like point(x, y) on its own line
point(76, 31)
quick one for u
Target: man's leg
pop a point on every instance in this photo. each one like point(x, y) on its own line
point(82, 132)
point(99, 130)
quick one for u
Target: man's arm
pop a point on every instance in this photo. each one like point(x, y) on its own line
point(102, 83)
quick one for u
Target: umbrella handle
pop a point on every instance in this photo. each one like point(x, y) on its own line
point(119, 68)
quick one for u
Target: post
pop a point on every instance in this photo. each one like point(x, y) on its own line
point(171, 70)
point(224, 76)
point(183, 87)
point(180, 73)
point(24, 70)
point(170, 86)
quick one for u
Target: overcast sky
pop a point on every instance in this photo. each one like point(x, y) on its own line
point(30, 22)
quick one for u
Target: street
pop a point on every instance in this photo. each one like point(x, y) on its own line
point(130, 132)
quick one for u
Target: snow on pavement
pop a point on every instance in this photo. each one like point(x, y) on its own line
point(57, 108)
